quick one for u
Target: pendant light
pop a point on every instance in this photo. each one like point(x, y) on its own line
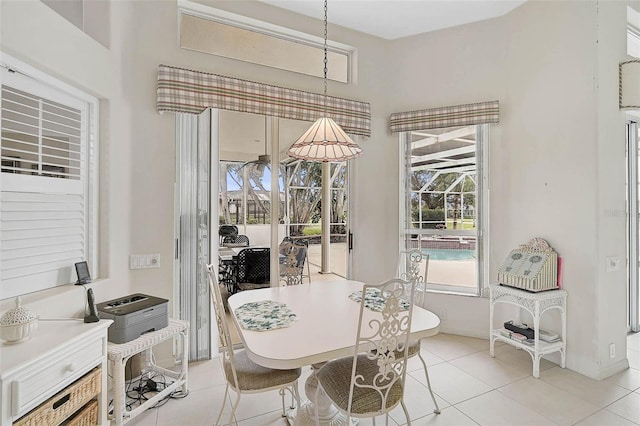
point(325, 141)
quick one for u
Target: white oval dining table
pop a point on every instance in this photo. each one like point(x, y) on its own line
point(325, 329)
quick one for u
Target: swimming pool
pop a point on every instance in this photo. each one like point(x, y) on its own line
point(450, 254)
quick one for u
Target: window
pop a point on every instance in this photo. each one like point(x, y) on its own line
point(48, 182)
point(208, 30)
point(444, 204)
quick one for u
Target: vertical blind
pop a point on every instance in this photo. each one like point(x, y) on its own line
point(194, 189)
point(43, 211)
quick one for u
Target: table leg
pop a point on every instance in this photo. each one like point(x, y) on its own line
point(327, 414)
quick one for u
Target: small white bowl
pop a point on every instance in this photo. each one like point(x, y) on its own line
point(17, 333)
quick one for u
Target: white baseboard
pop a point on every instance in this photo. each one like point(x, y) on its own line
point(608, 371)
point(484, 334)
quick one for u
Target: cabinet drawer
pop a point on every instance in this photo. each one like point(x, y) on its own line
point(31, 388)
point(63, 404)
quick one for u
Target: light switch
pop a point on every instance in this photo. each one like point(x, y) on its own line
point(144, 261)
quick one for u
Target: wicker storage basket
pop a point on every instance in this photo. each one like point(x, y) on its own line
point(63, 404)
point(87, 416)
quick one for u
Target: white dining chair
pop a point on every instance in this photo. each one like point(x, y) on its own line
point(413, 266)
point(371, 382)
point(244, 376)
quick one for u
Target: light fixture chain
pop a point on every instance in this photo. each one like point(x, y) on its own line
point(325, 141)
point(325, 58)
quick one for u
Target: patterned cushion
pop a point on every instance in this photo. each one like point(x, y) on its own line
point(414, 348)
point(335, 378)
point(252, 376)
point(252, 286)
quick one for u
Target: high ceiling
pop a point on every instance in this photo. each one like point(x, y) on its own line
point(391, 19)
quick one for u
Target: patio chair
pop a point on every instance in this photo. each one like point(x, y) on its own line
point(292, 264)
point(227, 231)
point(244, 376)
point(253, 269)
point(235, 241)
point(372, 381)
point(227, 273)
point(416, 266)
point(303, 243)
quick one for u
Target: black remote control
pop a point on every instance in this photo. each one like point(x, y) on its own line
point(523, 329)
point(93, 311)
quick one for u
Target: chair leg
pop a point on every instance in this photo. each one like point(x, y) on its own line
point(426, 373)
point(233, 409)
point(282, 391)
point(406, 413)
point(224, 401)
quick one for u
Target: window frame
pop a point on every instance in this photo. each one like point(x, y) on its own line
point(482, 212)
point(90, 153)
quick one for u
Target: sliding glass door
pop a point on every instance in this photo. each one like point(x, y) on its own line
point(250, 147)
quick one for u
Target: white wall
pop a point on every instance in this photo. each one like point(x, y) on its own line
point(610, 206)
point(557, 156)
point(35, 34)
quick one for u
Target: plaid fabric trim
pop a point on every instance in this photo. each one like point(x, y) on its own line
point(182, 90)
point(434, 118)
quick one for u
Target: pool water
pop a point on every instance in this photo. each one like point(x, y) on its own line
point(450, 254)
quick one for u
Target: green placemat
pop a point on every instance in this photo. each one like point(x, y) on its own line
point(374, 301)
point(265, 315)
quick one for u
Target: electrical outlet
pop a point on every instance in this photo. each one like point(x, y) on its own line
point(443, 314)
point(613, 263)
point(154, 260)
point(612, 350)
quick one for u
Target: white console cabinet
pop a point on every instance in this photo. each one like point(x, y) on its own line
point(536, 304)
point(57, 355)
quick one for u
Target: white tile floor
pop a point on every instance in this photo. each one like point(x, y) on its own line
point(470, 386)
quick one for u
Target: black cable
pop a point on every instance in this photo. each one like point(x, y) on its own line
point(137, 391)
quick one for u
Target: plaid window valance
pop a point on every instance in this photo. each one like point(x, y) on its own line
point(434, 118)
point(182, 90)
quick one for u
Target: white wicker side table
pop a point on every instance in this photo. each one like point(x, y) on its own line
point(118, 354)
point(536, 304)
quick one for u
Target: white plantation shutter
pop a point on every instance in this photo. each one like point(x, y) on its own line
point(40, 136)
point(45, 209)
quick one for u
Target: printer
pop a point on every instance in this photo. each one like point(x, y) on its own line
point(133, 316)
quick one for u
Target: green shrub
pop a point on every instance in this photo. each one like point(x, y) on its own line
point(434, 216)
point(312, 230)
